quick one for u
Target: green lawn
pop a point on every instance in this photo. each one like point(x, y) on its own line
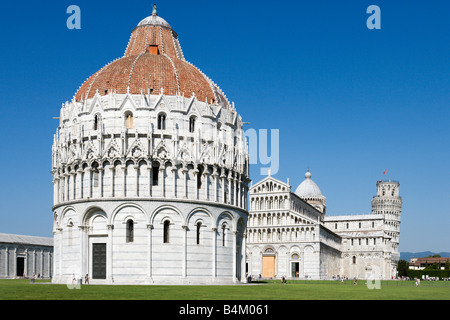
point(272, 290)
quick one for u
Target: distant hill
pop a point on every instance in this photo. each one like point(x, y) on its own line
point(408, 255)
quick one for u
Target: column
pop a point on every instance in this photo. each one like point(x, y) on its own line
point(73, 174)
point(42, 263)
point(33, 260)
point(80, 174)
point(184, 271)
point(60, 248)
point(184, 171)
point(124, 180)
point(109, 258)
point(49, 261)
point(83, 253)
point(230, 191)
point(215, 184)
point(111, 181)
point(101, 174)
point(89, 173)
point(149, 181)
point(174, 182)
point(136, 184)
point(222, 182)
point(196, 172)
point(66, 187)
point(235, 193)
point(7, 262)
point(55, 191)
point(243, 260)
point(15, 263)
point(26, 263)
point(206, 180)
point(214, 253)
point(162, 179)
point(234, 256)
point(149, 251)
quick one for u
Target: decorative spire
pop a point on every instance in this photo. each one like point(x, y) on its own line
point(154, 13)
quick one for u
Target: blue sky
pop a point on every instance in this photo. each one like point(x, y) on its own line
point(349, 102)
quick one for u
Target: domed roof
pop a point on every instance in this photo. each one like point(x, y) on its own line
point(154, 20)
point(153, 63)
point(308, 188)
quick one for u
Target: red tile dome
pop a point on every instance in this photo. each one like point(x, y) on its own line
point(153, 61)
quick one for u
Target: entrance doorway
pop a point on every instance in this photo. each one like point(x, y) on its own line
point(295, 267)
point(99, 261)
point(268, 267)
point(20, 262)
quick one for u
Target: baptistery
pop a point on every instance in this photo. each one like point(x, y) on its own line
point(150, 172)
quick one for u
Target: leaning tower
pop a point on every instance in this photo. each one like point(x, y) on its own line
point(389, 203)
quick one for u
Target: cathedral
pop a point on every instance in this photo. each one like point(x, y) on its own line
point(150, 172)
point(290, 235)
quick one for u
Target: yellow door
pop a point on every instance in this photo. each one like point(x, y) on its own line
point(268, 270)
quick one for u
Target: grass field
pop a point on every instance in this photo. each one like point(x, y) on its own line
point(271, 290)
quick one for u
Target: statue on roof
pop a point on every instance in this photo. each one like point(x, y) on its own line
point(154, 10)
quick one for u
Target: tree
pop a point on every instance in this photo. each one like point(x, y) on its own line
point(447, 265)
point(402, 268)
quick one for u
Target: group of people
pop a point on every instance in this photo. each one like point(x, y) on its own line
point(34, 276)
point(86, 279)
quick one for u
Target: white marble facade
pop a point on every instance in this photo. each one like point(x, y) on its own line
point(23, 256)
point(289, 234)
point(150, 187)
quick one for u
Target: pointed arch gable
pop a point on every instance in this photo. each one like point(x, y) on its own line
point(128, 104)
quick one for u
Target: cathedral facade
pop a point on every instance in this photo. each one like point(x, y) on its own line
point(150, 172)
point(289, 234)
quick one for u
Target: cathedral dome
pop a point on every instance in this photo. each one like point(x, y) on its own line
point(308, 188)
point(153, 63)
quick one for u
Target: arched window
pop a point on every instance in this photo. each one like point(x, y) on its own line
point(223, 234)
point(191, 124)
point(166, 231)
point(128, 120)
point(199, 225)
point(74, 129)
point(162, 121)
point(97, 122)
point(199, 177)
point(130, 231)
point(155, 175)
point(354, 259)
